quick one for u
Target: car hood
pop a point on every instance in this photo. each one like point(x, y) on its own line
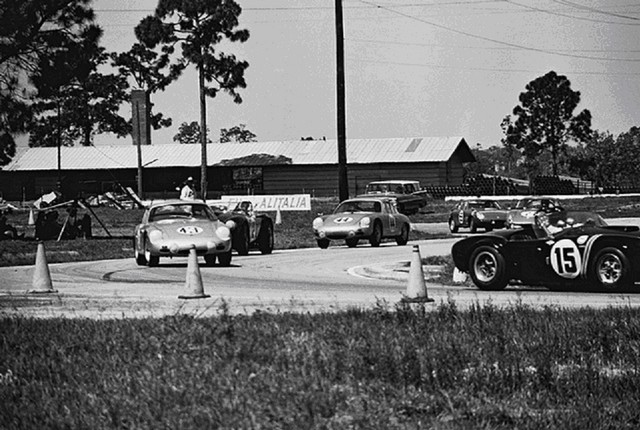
point(523, 214)
point(496, 214)
point(183, 228)
point(346, 218)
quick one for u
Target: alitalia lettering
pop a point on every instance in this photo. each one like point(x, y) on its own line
point(292, 202)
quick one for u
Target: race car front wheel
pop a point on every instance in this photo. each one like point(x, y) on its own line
point(139, 256)
point(403, 238)
point(265, 238)
point(152, 260)
point(609, 270)
point(453, 226)
point(488, 269)
point(323, 243)
point(225, 259)
point(241, 240)
point(376, 236)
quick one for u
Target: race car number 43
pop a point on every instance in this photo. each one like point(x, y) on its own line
point(566, 259)
point(189, 230)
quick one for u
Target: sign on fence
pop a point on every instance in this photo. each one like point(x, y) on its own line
point(282, 202)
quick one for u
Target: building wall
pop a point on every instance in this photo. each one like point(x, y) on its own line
point(317, 180)
point(322, 180)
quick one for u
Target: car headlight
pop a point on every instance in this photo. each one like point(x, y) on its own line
point(223, 232)
point(479, 215)
point(365, 222)
point(230, 224)
point(155, 235)
point(318, 223)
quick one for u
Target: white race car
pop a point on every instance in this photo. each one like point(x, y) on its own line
point(172, 227)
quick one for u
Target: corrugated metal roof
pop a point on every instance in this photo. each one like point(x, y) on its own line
point(359, 151)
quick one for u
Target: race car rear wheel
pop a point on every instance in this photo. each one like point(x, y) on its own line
point(404, 235)
point(352, 242)
point(323, 243)
point(488, 269)
point(376, 236)
point(609, 268)
point(225, 259)
point(265, 237)
point(453, 227)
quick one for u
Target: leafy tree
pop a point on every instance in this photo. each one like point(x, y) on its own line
point(151, 72)
point(74, 100)
point(495, 159)
point(544, 121)
point(238, 134)
point(31, 30)
point(199, 26)
point(189, 133)
point(614, 160)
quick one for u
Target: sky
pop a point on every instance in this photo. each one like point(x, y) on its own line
point(412, 67)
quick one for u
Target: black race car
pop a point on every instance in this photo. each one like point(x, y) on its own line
point(251, 230)
point(561, 250)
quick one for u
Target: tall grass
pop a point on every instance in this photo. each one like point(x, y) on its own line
point(400, 367)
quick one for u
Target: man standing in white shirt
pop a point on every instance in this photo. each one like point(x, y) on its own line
point(187, 192)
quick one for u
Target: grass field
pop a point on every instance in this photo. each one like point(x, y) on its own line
point(386, 368)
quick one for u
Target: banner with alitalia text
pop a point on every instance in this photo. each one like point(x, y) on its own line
point(275, 202)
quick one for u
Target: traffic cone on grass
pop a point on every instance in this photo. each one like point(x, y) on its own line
point(194, 278)
point(416, 288)
point(31, 218)
point(41, 277)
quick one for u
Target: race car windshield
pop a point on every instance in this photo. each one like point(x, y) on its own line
point(561, 221)
point(359, 206)
point(180, 211)
point(484, 205)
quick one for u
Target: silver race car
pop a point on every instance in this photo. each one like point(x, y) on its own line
point(363, 218)
point(171, 228)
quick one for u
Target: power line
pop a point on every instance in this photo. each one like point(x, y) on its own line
point(570, 16)
point(590, 9)
point(488, 48)
point(488, 69)
point(488, 39)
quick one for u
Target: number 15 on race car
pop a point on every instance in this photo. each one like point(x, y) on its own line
point(565, 259)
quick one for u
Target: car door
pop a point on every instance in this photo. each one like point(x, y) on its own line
point(533, 259)
point(463, 214)
point(389, 214)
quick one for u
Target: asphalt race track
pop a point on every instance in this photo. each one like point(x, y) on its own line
point(305, 280)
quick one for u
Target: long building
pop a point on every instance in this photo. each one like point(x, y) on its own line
point(282, 167)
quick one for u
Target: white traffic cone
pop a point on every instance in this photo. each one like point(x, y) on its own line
point(278, 217)
point(416, 288)
point(31, 218)
point(41, 277)
point(194, 278)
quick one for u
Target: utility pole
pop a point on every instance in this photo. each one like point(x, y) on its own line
point(343, 182)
